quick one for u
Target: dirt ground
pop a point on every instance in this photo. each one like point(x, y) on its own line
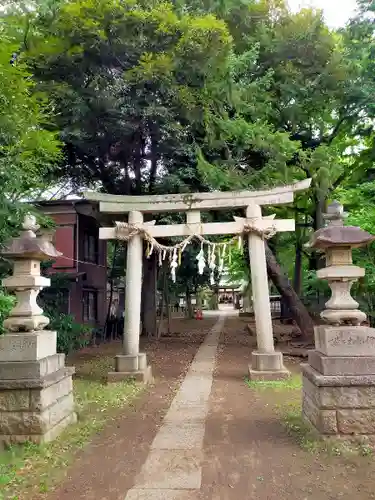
point(105, 469)
point(248, 452)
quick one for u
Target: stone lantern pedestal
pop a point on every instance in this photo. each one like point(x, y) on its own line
point(339, 379)
point(36, 398)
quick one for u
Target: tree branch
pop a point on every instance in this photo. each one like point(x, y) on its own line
point(329, 140)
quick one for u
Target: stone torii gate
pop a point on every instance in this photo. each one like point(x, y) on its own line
point(266, 363)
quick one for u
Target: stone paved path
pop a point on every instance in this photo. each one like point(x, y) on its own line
point(173, 469)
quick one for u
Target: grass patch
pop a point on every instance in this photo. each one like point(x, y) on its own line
point(286, 400)
point(293, 382)
point(309, 440)
point(30, 469)
point(299, 429)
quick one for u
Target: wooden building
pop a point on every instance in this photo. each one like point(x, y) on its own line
point(84, 258)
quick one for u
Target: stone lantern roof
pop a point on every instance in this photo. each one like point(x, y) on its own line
point(28, 246)
point(338, 235)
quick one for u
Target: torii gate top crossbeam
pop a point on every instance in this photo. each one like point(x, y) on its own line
point(117, 204)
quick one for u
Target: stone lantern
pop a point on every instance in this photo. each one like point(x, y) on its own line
point(27, 252)
point(35, 386)
point(337, 241)
point(339, 379)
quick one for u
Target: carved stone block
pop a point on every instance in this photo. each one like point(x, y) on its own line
point(324, 421)
point(341, 405)
point(342, 365)
point(33, 369)
point(356, 421)
point(36, 409)
point(30, 346)
point(345, 340)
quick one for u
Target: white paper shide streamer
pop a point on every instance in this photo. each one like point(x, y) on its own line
point(201, 260)
point(174, 265)
point(212, 265)
point(222, 257)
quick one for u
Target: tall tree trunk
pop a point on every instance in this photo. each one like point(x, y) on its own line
point(138, 161)
point(295, 305)
point(319, 210)
point(154, 159)
point(316, 261)
point(215, 301)
point(149, 322)
point(111, 289)
point(168, 306)
point(165, 285)
point(189, 305)
point(297, 278)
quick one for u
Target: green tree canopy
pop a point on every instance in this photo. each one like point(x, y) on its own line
point(131, 85)
point(28, 150)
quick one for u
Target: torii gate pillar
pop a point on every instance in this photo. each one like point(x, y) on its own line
point(131, 363)
point(266, 363)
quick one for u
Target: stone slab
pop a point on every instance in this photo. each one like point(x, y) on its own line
point(182, 413)
point(196, 384)
point(206, 353)
point(179, 436)
point(39, 383)
point(201, 367)
point(345, 340)
point(130, 362)
point(35, 422)
point(30, 346)
point(55, 431)
point(40, 399)
point(336, 380)
point(142, 361)
point(340, 397)
point(191, 399)
point(60, 410)
point(17, 370)
point(341, 365)
point(35, 399)
point(195, 390)
point(325, 421)
point(171, 469)
point(264, 362)
point(161, 495)
point(14, 439)
point(15, 400)
point(356, 421)
point(144, 376)
point(268, 375)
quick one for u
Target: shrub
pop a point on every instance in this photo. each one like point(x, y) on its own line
point(6, 304)
point(71, 336)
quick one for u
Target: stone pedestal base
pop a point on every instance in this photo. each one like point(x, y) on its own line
point(36, 389)
point(339, 404)
point(131, 366)
point(35, 409)
point(267, 366)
